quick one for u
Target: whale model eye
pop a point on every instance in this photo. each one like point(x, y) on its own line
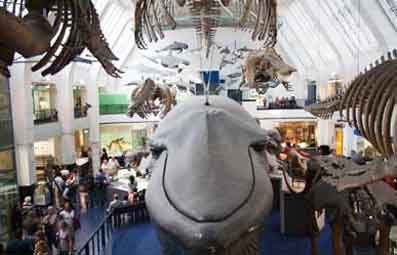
point(259, 146)
point(156, 151)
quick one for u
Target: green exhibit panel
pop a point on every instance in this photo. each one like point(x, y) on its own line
point(113, 104)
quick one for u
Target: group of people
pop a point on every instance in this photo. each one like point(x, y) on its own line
point(50, 229)
point(51, 232)
point(111, 165)
point(66, 184)
point(132, 198)
point(109, 168)
point(280, 103)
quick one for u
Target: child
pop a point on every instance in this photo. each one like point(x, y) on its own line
point(65, 241)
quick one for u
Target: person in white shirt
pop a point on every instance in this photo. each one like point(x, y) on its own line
point(115, 203)
point(67, 214)
point(65, 243)
point(113, 166)
point(105, 165)
point(69, 217)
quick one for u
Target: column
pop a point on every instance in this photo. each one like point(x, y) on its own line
point(65, 107)
point(93, 118)
point(349, 140)
point(326, 132)
point(22, 111)
point(10, 197)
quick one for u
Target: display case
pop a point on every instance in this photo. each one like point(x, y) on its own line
point(8, 180)
point(119, 138)
point(302, 134)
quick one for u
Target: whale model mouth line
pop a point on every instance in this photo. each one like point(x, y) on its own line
point(242, 204)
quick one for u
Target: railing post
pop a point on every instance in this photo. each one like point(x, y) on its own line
point(98, 244)
point(103, 235)
point(87, 249)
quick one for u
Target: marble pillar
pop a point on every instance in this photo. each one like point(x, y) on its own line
point(93, 118)
point(22, 112)
point(326, 132)
point(65, 107)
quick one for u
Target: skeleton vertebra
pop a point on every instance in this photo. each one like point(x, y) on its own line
point(152, 16)
point(76, 26)
point(144, 96)
point(264, 66)
point(369, 105)
point(213, 199)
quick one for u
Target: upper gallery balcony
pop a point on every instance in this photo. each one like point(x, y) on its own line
point(44, 103)
point(80, 102)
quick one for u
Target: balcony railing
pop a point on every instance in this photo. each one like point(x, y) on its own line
point(101, 240)
point(45, 116)
point(80, 112)
point(283, 104)
point(113, 109)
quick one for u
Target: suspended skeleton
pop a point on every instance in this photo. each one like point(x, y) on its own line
point(144, 97)
point(369, 105)
point(152, 16)
point(75, 26)
point(265, 68)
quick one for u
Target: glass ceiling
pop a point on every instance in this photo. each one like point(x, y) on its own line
point(316, 35)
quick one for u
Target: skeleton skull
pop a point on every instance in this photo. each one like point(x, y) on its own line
point(264, 66)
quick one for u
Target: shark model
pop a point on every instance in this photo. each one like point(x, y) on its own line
point(175, 46)
point(168, 61)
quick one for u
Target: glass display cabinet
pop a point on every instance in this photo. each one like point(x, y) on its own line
point(9, 198)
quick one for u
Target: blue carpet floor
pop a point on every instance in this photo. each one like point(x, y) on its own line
point(141, 239)
point(89, 221)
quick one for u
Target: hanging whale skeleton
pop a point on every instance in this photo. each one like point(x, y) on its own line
point(368, 105)
point(59, 29)
point(153, 16)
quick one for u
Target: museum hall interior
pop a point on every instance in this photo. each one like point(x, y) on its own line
point(198, 127)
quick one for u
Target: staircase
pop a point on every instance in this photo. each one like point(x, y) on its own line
point(100, 241)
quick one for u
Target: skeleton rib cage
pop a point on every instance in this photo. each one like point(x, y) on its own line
point(16, 7)
point(152, 17)
point(74, 26)
point(369, 105)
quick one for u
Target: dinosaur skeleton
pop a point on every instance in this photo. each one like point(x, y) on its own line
point(75, 26)
point(144, 96)
point(361, 200)
point(368, 104)
point(362, 203)
point(151, 17)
